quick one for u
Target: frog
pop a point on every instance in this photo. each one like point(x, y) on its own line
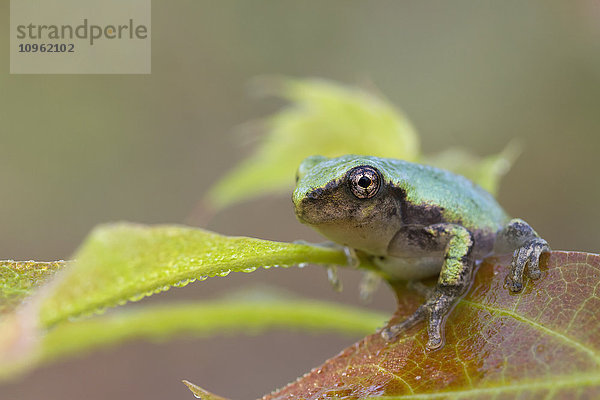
point(413, 221)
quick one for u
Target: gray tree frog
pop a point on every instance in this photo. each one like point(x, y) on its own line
point(414, 221)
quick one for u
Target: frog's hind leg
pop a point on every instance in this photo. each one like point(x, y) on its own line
point(452, 282)
point(518, 236)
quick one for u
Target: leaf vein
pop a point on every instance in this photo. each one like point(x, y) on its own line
point(545, 383)
point(574, 343)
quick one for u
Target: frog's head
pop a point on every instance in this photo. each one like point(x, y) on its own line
point(349, 200)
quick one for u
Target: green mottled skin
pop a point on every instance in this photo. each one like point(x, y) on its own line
point(461, 199)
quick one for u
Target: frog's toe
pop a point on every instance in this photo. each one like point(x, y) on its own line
point(438, 306)
point(533, 265)
point(513, 285)
point(434, 342)
point(526, 257)
point(434, 332)
point(392, 332)
point(514, 280)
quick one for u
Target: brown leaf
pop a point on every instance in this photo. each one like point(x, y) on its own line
point(541, 343)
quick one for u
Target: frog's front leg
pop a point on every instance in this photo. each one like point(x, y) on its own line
point(454, 278)
point(519, 237)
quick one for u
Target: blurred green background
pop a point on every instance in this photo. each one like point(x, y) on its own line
point(79, 150)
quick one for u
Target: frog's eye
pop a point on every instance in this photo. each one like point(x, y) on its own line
point(364, 181)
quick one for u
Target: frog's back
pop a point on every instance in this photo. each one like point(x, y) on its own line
point(431, 192)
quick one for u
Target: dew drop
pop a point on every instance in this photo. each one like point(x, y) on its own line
point(250, 269)
point(302, 265)
point(182, 283)
point(224, 273)
point(137, 297)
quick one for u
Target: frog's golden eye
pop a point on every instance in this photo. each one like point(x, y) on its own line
point(364, 181)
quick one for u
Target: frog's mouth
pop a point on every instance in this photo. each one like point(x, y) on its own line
point(313, 213)
point(323, 207)
point(320, 205)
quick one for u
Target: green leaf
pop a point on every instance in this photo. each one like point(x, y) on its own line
point(206, 319)
point(485, 171)
point(323, 118)
point(125, 262)
point(236, 315)
point(18, 279)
